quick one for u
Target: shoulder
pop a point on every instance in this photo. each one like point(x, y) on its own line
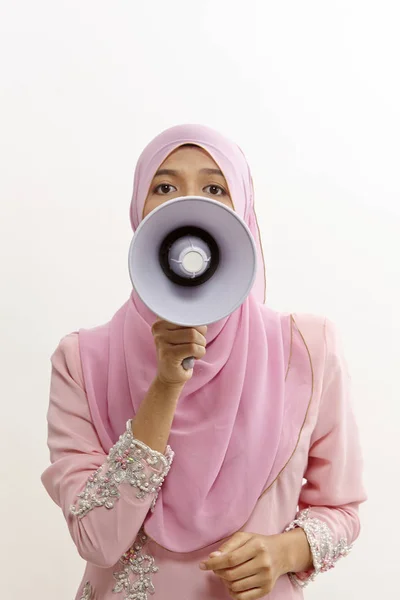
point(67, 347)
point(317, 328)
point(309, 324)
point(321, 337)
point(324, 342)
point(66, 357)
point(312, 329)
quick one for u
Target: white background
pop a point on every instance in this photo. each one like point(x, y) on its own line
point(310, 91)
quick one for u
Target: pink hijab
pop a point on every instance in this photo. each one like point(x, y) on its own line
point(227, 432)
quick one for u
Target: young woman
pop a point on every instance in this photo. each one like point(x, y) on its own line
point(189, 484)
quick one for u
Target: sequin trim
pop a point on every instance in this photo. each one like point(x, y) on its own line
point(325, 554)
point(126, 463)
point(135, 576)
point(87, 592)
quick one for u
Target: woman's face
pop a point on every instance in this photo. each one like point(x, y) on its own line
point(188, 171)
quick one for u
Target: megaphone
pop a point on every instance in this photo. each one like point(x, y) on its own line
point(192, 261)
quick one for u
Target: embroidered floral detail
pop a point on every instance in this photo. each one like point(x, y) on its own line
point(87, 592)
point(125, 463)
point(325, 553)
point(135, 576)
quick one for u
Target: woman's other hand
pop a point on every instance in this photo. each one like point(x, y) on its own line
point(249, 564)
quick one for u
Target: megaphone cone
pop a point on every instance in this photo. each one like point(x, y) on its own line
point(192, 261)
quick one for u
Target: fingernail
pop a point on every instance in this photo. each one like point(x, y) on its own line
point(202, 566)
point(216, 553)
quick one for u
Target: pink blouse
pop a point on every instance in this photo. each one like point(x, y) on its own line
point(105, 499)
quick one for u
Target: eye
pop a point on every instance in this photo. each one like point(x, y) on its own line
point(165, 188)
point(215, 190)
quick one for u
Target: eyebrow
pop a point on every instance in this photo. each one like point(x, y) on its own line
point(176, 173)
point(165, 172)
point(212, 172)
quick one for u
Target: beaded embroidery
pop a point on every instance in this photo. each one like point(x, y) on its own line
point(325, 553)
point(135, 576)
point(87, 592)
point(125, 464)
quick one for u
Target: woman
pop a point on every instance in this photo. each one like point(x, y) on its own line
point(189, 484)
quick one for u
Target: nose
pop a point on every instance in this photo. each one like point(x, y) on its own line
point(191, 189)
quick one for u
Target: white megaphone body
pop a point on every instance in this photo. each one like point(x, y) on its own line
point(192, 261)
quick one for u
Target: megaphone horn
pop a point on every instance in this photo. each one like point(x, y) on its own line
point(192, 261)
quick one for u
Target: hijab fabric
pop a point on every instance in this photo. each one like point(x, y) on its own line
point(228, 423)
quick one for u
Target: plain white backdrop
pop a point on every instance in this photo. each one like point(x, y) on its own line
point(310, 91)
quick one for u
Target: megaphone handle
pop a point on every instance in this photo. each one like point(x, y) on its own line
point(188, 363)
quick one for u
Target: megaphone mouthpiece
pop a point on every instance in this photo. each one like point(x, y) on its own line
point(189, 256)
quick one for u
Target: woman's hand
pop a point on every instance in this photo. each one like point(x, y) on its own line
point(174, 344)
point(249, 564)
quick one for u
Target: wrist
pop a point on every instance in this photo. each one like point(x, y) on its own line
point(286, 554)
point(296, 551)
point(170, 389)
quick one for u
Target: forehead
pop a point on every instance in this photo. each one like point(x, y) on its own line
point(189, 156)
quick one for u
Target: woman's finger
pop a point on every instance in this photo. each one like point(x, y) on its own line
point(182, 351)
point(161, 325)
point(246, 583)
point(236, 551)
point(184, 336)
point(247, 569)
point(254, 594)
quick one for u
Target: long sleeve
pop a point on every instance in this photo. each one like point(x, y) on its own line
point(104, 498)
point(329, 500)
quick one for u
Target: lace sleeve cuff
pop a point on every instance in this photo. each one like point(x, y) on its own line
point(132, 462)
point(325, 554)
